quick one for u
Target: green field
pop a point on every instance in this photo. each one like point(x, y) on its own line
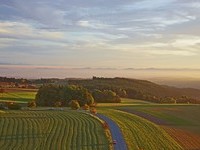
point(51, 130)
point(179, 116)
point(140, 133)
point(73, 130)
point(18, 96)
point(185, 116)
point(180, 121)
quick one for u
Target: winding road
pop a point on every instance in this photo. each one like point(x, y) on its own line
point(115, 132)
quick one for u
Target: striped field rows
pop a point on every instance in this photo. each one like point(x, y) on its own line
point(63, 130)
point(141, 134)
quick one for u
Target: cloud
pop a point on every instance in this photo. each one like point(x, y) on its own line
point(99, 33)
point(172, 52)
point(93, 25)
point(19, 30)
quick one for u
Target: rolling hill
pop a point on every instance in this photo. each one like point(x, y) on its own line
point(137, 88)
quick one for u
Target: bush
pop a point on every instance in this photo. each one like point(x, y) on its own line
point(58, 104)
point(74, 104)
point(93, 110)
point(86, 107)
point(31, 104)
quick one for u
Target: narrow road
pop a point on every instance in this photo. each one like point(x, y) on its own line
point(115, 132)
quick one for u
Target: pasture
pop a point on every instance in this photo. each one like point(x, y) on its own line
point(51, 130)
point(18, 95)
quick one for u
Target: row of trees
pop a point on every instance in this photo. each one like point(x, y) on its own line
point(14, 80)
point(49, 95)
point(106, 96)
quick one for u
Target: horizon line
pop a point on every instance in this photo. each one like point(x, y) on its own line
point(29, 66)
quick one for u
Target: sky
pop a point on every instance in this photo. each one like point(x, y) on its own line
point(97, 36)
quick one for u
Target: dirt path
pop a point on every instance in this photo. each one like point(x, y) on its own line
point(115, 132)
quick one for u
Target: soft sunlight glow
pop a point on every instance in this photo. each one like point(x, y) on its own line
point(99, 34)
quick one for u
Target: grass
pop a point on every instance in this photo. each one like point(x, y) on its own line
point(180, 121)
point(140, 133)
point(179, 116)
point(51, 130)
point(184, 116)
point(37, 127)
point(18, 96)
point(125, 102)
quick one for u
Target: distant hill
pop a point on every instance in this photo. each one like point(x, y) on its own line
point(178, 82)
point(132, 88)
point(138, 88)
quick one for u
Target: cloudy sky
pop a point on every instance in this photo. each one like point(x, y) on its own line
point(96, 34)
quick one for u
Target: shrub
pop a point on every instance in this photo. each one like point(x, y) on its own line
point(74, 104)
point(58, 104)
point(31, 104)
point(93, 110)
point(86, 107)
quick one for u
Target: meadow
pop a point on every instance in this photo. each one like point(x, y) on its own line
point(18, 95)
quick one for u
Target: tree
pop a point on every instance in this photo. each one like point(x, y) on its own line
point(106, 96)
point(49, 95)
point(85, 107)
point(58, 104)
point(74, 104)
point(121, 92)
point(93, 110)
point(31, 104)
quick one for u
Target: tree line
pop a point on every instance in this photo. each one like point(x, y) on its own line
point(50, 95)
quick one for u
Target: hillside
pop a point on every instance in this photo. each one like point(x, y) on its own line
point(138, 88)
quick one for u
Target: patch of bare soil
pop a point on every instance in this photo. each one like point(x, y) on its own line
point(187, 140)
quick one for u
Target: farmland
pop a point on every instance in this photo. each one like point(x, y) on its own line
point(176, 125)
point(50, 130)
point(182, 116)
point(180, 121)
point(18, 95)
point(140, 133)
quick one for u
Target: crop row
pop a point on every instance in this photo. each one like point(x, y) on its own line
point(50, 130)
point(187, 140)
point(139, 133)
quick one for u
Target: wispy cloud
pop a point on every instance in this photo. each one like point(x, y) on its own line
point(100, 33)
